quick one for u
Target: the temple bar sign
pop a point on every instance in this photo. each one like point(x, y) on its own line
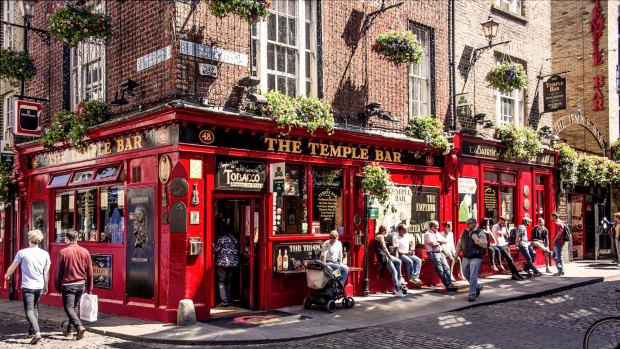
point(578, 118)
point(554, 92)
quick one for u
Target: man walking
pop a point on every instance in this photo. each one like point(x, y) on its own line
point(433, 242)
point(74, 276)
point(558, 243)
point(473, 242)
point(403, 244)
point(500, 233)
point(35, 265)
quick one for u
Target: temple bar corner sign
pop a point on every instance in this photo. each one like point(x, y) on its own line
point(27, 119)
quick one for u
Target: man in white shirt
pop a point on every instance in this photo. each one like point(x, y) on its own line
point(35, 266)
point(500, 233)
point(331, 254)
point(433, 242)
point(403, 243)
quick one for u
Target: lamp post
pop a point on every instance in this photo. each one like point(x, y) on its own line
point(489, 29)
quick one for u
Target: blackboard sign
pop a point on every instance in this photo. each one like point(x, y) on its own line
point(324, 208)
point(288, 256)
point(102, 270)
point(412, 206)
point(233, 174)
point(554, 93)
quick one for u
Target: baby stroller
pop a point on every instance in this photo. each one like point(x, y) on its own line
point(328, 288)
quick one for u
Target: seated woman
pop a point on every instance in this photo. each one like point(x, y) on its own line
point(331, 254)
point(392, 263)
point(493, 248)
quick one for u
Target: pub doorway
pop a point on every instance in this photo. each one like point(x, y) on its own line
point(236, 219)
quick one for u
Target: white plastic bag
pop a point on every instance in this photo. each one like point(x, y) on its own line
point(89, 307)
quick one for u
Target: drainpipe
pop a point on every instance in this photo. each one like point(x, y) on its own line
point(452, 84)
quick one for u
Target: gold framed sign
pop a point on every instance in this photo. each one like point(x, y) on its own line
point(165, 168)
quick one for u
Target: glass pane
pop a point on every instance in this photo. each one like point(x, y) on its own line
point(292, 8)
point(254, 53)
point(282, 29)
point(308, 5)
point(106, 173)
point(508, 178)
point(271, 26)
point(327, 202)
point(308, 63)
point(86, 216)
point(539, 180)
point(291, 87)
point(291, 207)
point(309, 91)
point(506, 202)
point(83, 176)
point(281, 86)
point(308, 36)
point(280, 60)
point(60, 180)
point(291, 56)
point(490, 202)
point(271, 61)
point(112, 213)
point(490, 176)
point(63, 214)
point(271, 82)
point(292, 32)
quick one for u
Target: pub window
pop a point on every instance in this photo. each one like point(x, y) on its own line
point(82, 176)
point(291, 205)
point(86, 215)
point(499, 195)
point(59, 180)
point(111, 213)
point(327, 202)
point(64, 214)
point(109, 173)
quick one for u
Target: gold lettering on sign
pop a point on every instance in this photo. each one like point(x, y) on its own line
point(330, 150)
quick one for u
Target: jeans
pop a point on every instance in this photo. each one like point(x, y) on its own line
point(441, 266)
point(31, 307)
point(506, 253)
point(413, 265)
point(344, 271)
point(471, 269)
point(557, 254)
point(493, 252)
point(452, 258)
point(530, 256)
point(617, 242)
point(71, 295)
point(224, 278)
point(394, 266)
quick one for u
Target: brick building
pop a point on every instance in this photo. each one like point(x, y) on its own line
point(179, 160)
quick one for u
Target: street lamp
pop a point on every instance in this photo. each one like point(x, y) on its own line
point(27, 9)
point(489, 28)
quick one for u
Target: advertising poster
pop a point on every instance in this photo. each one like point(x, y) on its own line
point(102, 270)
point(141, 242)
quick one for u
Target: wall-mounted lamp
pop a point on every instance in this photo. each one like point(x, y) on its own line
point(127, 87)
point(372, 109)
point(257, 99)
point(490, 28)
point(249, 81)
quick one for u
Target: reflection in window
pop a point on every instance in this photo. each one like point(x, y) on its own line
point(327, 207)
point(60, 180)
point(63, 216)
point(106, 173)
point(490, 176)
point(291, 210)
point(508, 177)
point(83, 176)
point(506, 203)
point(112, 214)
point(86, 217)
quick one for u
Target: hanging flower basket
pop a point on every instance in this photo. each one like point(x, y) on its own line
point(288, 112)
point(377, 181)
point(399, 47)
point(519, 142)
point(251, 11)
point(70, 126)
point(507, 77)
point(430, 130)
point(15, 66)
point(567, 161)
point(76, 21)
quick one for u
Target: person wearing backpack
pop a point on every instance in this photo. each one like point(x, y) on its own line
point(562, 234)
point(473, 242)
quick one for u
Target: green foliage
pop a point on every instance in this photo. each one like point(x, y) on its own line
point(8, 184)
point(519, 142)
point(582, 168)
point(251, 11)
point(399, 47)
point(15, 66)
point(567, 163)
point(507, 77)
point(289, 112)
point(430, 130)
point(615, 148)
point(377, 181)
point(71, 126)
point(76, 21)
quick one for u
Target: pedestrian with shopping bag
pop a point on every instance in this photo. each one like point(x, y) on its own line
point(35, 266)
point(74, 277)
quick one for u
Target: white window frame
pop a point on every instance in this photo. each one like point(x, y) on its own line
point(8, 117)
point(514, 6)
point(518, 106)
point(86, 60)
point(8, 15)
point(303, 85)
point(423, 76)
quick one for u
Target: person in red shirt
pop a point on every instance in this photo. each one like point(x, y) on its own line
point(558, 243)
point(74, 276)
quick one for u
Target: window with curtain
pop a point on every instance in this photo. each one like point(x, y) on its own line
point(421, 74)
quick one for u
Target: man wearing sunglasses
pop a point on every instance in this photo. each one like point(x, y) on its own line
point(331, 254)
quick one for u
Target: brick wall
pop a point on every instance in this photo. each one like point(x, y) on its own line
point(530, 38)
point(572, 51)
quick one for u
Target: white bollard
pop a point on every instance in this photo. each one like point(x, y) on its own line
point(186, 314)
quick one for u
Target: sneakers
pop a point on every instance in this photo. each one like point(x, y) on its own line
point(471, 298)
point(80, 332)
point(452, 286)
point(494, 268)
point(399, 294)
point(415, 281)
point(402, 281)
point(478, 291)
point(35, 338)
point(560, 272)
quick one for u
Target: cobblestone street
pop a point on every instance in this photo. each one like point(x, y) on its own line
point(554, 321)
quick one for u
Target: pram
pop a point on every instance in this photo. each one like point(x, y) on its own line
point(327, 287)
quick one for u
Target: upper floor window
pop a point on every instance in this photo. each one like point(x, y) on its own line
point(7, 117)
point(8, 15)
point(421, 74)
point(515, 6)
point(284, 48)
point(88, 67)
point(510, 106)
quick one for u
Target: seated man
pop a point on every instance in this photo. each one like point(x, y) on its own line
point(331, 254)
point(402, 242)
point(434, 241)
point(526, 249)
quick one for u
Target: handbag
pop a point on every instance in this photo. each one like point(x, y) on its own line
point(89, 307)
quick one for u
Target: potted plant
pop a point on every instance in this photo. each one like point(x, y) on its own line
point(376, 181)
point(430, 130)
point(15, 66)
point(507, 77)
point(398, 47)
point(251, 11)
point(71, 126)
point(519, 142)
point(76, 21)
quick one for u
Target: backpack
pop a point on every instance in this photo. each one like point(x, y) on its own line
point(512, 238)
point(566, 235)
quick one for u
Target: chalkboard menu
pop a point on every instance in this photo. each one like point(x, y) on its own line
point(326, 195)
point(288, 256)
point(490, 202)
point(233, 174)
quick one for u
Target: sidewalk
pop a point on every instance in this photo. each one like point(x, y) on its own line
point(294, 322)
